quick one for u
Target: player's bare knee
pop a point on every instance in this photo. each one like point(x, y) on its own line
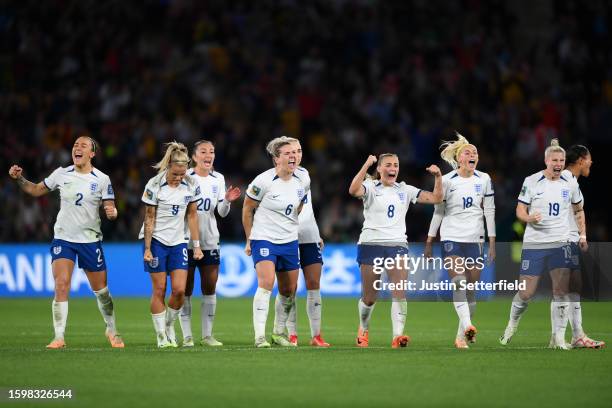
point(312, 284)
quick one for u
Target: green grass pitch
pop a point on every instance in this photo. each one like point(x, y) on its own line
point(430, 372)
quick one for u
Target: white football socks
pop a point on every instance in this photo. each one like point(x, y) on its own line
point(60, 315)
point(313, 309)
point(399, 309)
point(516, 310)
point(575, 315)
point(559, 316)
point(364, 315)
point(208, 309)
point(460, 302)
point(171, 315)
point(159, 324)
point(185, 318)
point(105, 305)
point(261, 305)
point(282, 307)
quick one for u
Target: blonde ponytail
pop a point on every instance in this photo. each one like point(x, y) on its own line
point(451, 150)
point(553, 148)
point(175, 153)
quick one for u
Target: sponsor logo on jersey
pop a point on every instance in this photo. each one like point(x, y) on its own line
point(57, 249)
point(93, 186)
point(109, 190)
point(525, 265)
point(154, 263)
point(255, 190)
point(264, 251)
point(524, 190)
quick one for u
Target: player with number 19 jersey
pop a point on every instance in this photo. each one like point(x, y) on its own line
point(553, 199)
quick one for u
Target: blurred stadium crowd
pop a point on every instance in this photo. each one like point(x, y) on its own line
point(348, 78)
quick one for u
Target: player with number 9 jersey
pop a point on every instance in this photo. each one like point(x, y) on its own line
point(169, 197)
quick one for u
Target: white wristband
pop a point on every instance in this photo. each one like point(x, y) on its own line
point(583, 237)
point(196, 244)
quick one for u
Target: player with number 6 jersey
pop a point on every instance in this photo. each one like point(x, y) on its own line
point(83, 189)
point(468, 200)
point(168, 197)
point(270, 213)
point(213, 196)
point(383, 236)
point(545, 202)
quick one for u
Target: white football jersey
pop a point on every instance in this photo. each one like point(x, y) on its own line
point(309, 231)
point(574, 234)
point(81, 195)
point(171, 205)
point(276, 217)
point(212, 188)
point(384, 212)
point(553, 200)
point(464, 200)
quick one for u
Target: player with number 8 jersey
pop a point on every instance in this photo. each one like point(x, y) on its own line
point(168, 197)
point(383, 236)
point(83, 188)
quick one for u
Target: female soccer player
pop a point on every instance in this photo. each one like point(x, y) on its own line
point(213, 195)
point(578, 163)
point(270, 212)
point(168, 196)
point(311, 261)
point(545, 201)
point(83, 188)
point(468, 194)
point(385, 203)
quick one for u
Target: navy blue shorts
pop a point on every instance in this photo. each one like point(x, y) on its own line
point(534, 262)
point(310, 254)
point(285, 257)
point(166, 258)
point(461, 249)
point(90, 254)
point(367, 253)
point(211, 257)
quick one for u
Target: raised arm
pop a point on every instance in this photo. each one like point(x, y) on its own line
point(356, 188)
point(35, 190)
point(248, 212)
point(435, 197)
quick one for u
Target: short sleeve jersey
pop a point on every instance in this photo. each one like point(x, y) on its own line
point(553, 199)
point(384, 211)
point(171, 203)
point(276, 217)
point(81, 195)
point(463, 206)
